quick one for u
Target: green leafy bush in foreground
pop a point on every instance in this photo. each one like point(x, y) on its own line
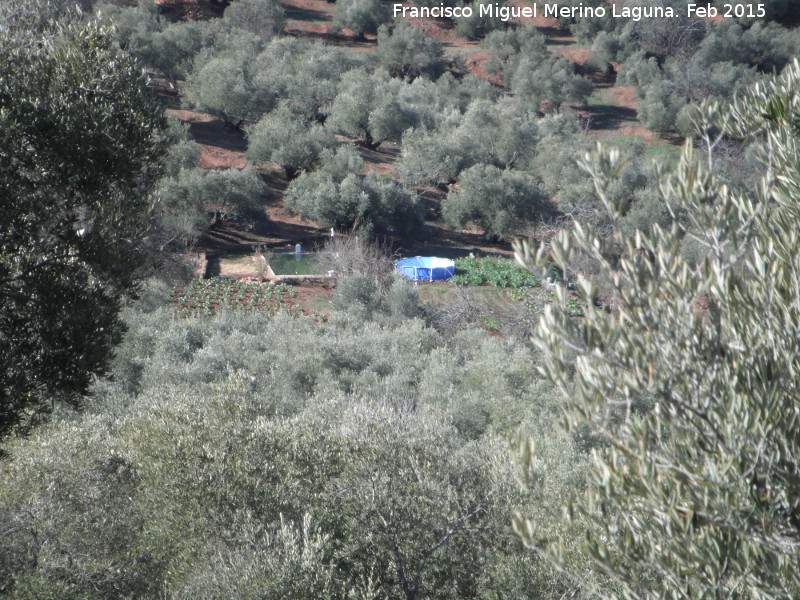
point(499, 272)
point(694, 406)
point(262, 458)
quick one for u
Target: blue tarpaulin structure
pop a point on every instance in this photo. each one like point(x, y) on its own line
point(425, 268)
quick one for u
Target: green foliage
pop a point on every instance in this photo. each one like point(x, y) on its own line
point(237, 194)
point(477, 26)
point(80, 148)
point(551, 79)
point(253, 457)
point(669, 37)
point(264, 18)
point(180, 214)
point(768, 47)
point(402, 300)
point(376, 108)
point(498, 201)
point(631, 191)
point(690, 384)
point(206, 297)
point(168, 47)
point(406, 52)
point(495, 133)
point(226, 82)
point(780, 11)
point(498, 272)
point(337, 196)
point(302, 75)
point(587, 28)
point(182, 152)
point(317, 194)
point(508, 47)
point(457, 93)
point(359, 293)
point(366, 100)
point(293, 143)
point(689, 82)
point(360, 16)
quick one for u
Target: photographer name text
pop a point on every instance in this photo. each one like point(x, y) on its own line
point(636, 13)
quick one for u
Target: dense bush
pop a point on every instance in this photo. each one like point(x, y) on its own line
point(81, 147)
point(291, 142)
point(500, 202)
point(574, 195)
point(666, 101)
point(508, 47)
point(496, 133)
point(237, 194)
point(406, 52)
point(360, 16)
point(767, 47)
point(225, 81)
point(552, 79)
point(363, 203)
point(271, 458)
point(701, 359)
point(372, 107)
point(498, 272)
point(303, 76)
point(477, 26)
point(264, 18)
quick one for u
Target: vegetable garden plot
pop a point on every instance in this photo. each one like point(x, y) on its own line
point(205, 297)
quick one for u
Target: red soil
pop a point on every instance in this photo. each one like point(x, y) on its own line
point(223, 147)
point(624, 96)
point(220, 147)
point(574, 54)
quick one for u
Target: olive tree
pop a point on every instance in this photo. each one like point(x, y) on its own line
point(303, 76)
point(180, 214)
point(406, 52)
point(293, 143)
point(263, 18)
point(235, 194)
point(79, 156)
point(360, 92)
point(768, 47)
point(372, 107)
point(477, 25)
point(337, 196)
point(167, 47)
point(225, 81)
point(360, 16)
point(502, 134)
point(552, 79)
point(507, 47)
point(500, 202)
point(690, 382)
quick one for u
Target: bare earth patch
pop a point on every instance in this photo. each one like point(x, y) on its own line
point(623, 95)
point(221, 147)
point(575, 54)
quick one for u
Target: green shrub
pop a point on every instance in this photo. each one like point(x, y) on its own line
point(498, 272)
point(499, 201)
point(407, 52)
point(292, 143)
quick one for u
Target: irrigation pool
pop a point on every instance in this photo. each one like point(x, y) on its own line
point(292, 263)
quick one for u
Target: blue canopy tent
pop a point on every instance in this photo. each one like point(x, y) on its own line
point(425, 268)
